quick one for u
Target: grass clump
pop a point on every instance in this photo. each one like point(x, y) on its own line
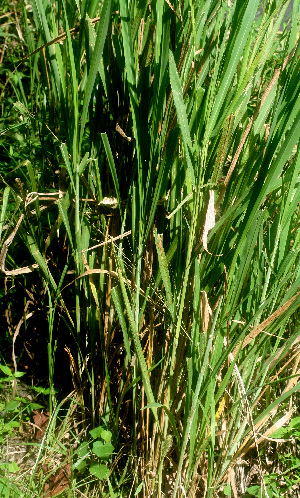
point(149, 238)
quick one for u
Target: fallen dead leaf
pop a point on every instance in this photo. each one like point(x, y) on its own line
point(58, 482)
point(41, 421)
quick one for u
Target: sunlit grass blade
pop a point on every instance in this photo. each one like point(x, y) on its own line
point(112, 167)
point(182, 117)
point(244, 16)
point(96, 58)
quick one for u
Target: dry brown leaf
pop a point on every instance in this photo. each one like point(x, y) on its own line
point(7, 243)
point(231, 479)
point(41, 421)
point(58, 482)
point(206, 312)
point(210, 220)
point(257, 330)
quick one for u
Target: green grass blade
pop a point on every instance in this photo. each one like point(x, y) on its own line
point(245, 15)
point(96, 58)
point(182, 117)
point(112, 167)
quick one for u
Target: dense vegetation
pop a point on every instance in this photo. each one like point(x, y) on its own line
point(149, 225)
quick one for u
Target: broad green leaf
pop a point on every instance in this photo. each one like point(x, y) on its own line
point(83, 450)
point(13, 467)
point(6, 370)
point(100, 471)
point(19, 374)
point(100, 432)
point(103, 451)
point(96, 433)
point(12, 423)
point(33, 406)
point(12, 405)
point(106, 435)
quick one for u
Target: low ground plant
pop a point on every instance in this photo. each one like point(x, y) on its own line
point(149, 227)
